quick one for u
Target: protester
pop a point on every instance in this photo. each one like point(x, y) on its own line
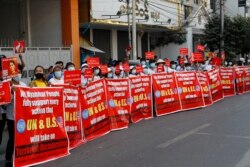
point(84, 81)
point(109, 75)
point(59, 63)
point(49, 73)
point(58, 77)
point(96, 74)
point(39, 77)
point(132, 72)
point(70, 66)
point(152, 67)
point(16, 81)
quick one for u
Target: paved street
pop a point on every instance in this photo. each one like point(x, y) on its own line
point(217, 136)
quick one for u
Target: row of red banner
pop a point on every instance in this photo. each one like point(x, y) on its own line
point(51, 121)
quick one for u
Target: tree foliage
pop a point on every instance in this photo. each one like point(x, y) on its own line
point(236, 35)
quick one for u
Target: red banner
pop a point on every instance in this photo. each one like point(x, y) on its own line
point(9, 68)
point(166, 95)
point(240, 74)
point(189, 90)
point(181, 61)
point(5, 92)
point(216, 61)
point(149, 55)
point(148, 106)
point(88, 73)
point(95, 115)
point(183, 51)
point(104, 69)
point(40, 127)
point(119, 100)
point(73, 116)
point(141, 98)
point(200, 48)
point(198, 57)
point(203, 80)
point(215, 85)
point(19, 46)
point(93, 61)
point(228, 81)
point(139, 69)
point(247, 80)
point(72, 77)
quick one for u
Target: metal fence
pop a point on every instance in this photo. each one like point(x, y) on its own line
point(44, 56)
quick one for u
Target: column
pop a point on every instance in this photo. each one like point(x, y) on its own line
point(70, 28)
point(114, 45)
point(190, 39)
point(139, 46)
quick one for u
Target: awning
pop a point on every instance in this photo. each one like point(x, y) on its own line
point(86, 44)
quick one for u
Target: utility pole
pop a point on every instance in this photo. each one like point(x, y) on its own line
point(222, 26)
point(134, 30)
point(129, 28)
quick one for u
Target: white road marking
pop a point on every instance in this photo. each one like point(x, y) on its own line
point(245, 161)
point(183, 136)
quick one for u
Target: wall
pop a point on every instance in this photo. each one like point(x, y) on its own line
point(45, 22)
point(10, 22)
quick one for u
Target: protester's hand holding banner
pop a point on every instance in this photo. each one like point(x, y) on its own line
point(94, 110)
point(166, 95)
point(189, 90)
point(40, 126)
point(119, 101)
point(227, 76)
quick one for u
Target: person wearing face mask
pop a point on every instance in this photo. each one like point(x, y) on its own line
point(143, 61)
point(132, 72)
point(145, 70)
point(9, 108)
point(70, 66)
point(84, 81)
point(58, 77)
point(119, 73)
point(96, 74)
point(172, 66)
point(39, 79)
point(152, 67)
point(109, 75)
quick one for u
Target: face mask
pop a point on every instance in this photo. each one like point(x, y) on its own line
point(84, 82)
point(71, 68)
point(143, 63)
point(83, 70)
point(39, 75)
point(226, 63)
point(113, 69)
point(173, 66)
point(152, 65)
point(230, 63)
point(145, 71)
point(188, 68)
point(58, 74)
point(97, 71)
point(134, 71)
point(17, 78)
point(202, 66)
point(122, 74)
point(110, 75)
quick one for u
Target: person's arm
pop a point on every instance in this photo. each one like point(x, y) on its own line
point(21, 59)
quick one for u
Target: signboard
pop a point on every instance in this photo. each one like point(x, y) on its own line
point(5, 92)
point(189, 90)
point(19, 47)
point(215, 85)
point(183, 51)
point(40, 126)
point(72, 77)
point(200, 48)
point(9, 68)
point(104, 69)
point(88, 73)
point(119, 101)
point(95, 115)
point(198, 57)
point(93, 61)
point(116, 12)
point(149, 55)
point(206, 92)
point(166, 95)
point(227, 76)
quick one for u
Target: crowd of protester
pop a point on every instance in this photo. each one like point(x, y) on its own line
point(54, 75)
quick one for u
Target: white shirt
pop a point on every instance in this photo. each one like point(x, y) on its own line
point(10, 106)
point(54, 81)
